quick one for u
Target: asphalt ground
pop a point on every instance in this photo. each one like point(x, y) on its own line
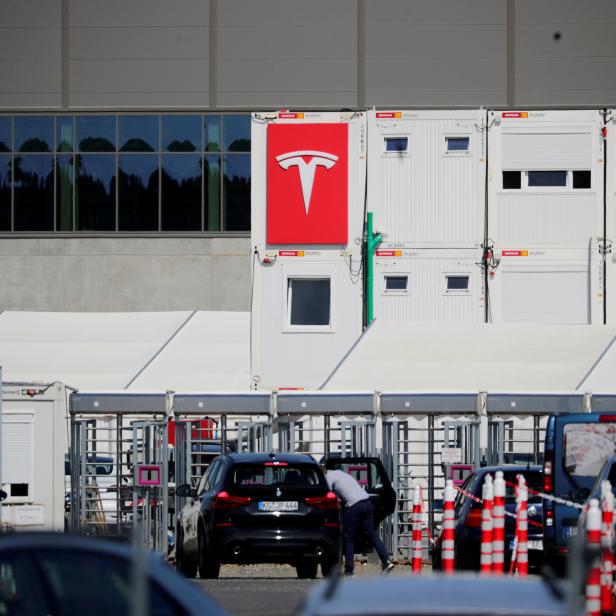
point(269, 590)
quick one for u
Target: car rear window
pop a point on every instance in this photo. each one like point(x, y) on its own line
point(587, 446)
point(264, 475)
point(534, 481)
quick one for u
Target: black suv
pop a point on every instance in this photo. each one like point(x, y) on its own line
point(251, 508)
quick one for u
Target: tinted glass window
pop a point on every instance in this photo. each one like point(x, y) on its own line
point(547, 178)
point(396, 144)
point(237, 133)
point(64, 136)
point(138, 192)
point(396, 283)
point(212, 192)
point(181, 133)
point(266, 475)
point(33, 193)
point(6, 140)
point(5, 192)
point(138, 133)
point(95, 192)
point(181, 192)
point(457, 144)
point(581, 179)
point(534, 481)
point(237, 192)
point(96, 133)
point(33, 134)
point(587, 447)
point(512, 179)
point(309, 301)
point(213, 135)
point(20, 587)
point(457, 283)
point(65, 182)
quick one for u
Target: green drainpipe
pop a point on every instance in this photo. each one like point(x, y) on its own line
point(372, 243)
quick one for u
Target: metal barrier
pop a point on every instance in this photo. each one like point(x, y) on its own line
point(118, 465)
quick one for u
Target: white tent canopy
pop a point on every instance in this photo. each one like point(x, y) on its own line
point(133, 351)
point(401, 355)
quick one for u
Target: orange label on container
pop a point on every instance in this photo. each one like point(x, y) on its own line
point(514, 253)
point(290, 253)
point(287, 115)
point(389, 114)
point(388, 253)
point(514, 114)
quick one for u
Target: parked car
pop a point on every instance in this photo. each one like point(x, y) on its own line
point(468, 518)
point(576, 448)
point(435, 595)
point(251, 508)
point(607, 472)
point(63, 574)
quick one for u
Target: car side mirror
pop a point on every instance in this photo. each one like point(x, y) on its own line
point(184, 491)
point(3, 495)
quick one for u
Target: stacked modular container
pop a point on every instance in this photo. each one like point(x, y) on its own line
point(610, 217)
point(426, 187)
point(308, 196)
point(545, 216)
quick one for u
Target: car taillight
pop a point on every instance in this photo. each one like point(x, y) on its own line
point(549, 516)
point(473, 519)
point(223, 500)
point(607, 418)
point(329, 501)
point(548, 478)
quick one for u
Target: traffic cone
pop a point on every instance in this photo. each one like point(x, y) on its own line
point(487, 495)
point(448, 543)
point(607, 549)
point(522, 527)
point(416, 522)
point(498, 532)
point(593, 539)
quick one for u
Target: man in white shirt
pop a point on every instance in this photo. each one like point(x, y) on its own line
point(357, 517)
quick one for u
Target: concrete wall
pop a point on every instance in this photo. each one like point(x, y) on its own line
point(120, 274)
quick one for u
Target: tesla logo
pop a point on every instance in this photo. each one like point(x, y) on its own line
point(307, 169)
point(313, 210)
point(278, 492)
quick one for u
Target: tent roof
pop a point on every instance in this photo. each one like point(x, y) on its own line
point(134, 351)
point(402, 355)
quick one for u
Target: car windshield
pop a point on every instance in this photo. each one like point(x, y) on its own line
point(587, 446)
point(270, 474)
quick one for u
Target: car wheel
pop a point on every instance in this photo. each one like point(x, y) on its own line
point(209, 566)
point(183, 565)
point(307, 569)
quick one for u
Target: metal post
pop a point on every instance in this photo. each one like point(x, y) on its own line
point(223, 434)
point(326, 435)
point(536, 438)
point(431, 472)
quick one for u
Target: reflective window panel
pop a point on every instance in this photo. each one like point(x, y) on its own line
point(181, 192)
point(6, 140)
point(5, 192)
point(212, 125)
point(309, 301)
point(33, 192)
point(34, 133)
point(65, 181)
point(236, 195)
point(212, 192)
point(95, 193)
point(138, 192)
point(237, 133)
point(138, 133)
point(181, 133)
point(64, 134)
point(96, 133)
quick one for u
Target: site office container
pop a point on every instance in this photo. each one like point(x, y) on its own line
point(426, 177)
point(33, 447)
point(430, 285)
point(610, 227)
point(308, 204)
point(545, 215)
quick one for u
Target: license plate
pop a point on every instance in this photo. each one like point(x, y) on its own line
point(535, 544)
point(569, 531)
point(278, 506)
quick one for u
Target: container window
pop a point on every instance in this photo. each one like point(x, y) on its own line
point(581, 179)
point(457, 283)
point(547, 178)
point(457, 144)
point(309, 301)
point(396, 144)
point(396, 283)
point(512, 179)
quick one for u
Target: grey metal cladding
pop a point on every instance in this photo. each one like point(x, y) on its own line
point(411, 403)
point(222, 404)
point(128, 403)
point(603, 403)
point(528, 404)
point(334, 404)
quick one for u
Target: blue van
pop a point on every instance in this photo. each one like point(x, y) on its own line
point(576, 448)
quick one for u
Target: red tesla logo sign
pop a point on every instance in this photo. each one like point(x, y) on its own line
point(307, 183)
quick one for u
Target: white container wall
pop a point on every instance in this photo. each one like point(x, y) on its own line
point(555, 286)
point(426, 177)
point(429, 285)
point(610, 232)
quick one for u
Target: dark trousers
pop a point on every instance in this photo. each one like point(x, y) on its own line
point(356, 520)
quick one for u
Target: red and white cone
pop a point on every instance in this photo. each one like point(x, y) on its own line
point(593, 538)
point(416, 521)
point(498, 532)
point(607, 548)
point(448, 543)
point(487, 495)
point(522, 527)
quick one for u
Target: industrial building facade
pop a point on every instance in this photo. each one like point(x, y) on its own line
point(125, 154)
